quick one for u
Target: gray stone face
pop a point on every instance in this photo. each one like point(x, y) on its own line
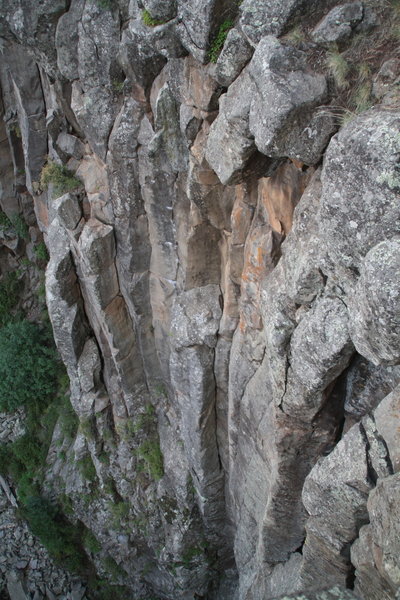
point(301, 249)
point(375, 551)
point(282, 115)
point(375, 305)
point(161, 10)
point(199, 22)
point(339, 23)
point(20, 80)
point(235, 55)
point(343, 480)
point(261, 18)
point(385, 82)
point(274, 17)
point(227, 313)
point(70, 145)
point(320, 346)
point(353, 222)
point(68, 210)
point(335, 593)
point(231, 150)
point(67, 39)
point(367, 385)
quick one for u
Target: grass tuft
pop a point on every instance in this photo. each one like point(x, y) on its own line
point(339, 69)
point(62, 179)
point(149, 20)
point(219, 40)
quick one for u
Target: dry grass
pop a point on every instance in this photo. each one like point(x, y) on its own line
point(339, 68)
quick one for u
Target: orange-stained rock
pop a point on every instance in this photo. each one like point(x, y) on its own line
point(280, 194)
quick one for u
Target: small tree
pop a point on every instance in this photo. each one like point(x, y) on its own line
point(28, 365)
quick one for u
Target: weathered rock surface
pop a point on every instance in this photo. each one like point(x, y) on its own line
point(235, 54)
point(356, 227)
point(223, 290)
point(258, 18)
point(375, 314)
point(338, 23)
point(288, 93)
point(331, 594)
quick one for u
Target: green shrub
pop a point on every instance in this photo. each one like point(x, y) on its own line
point(104, 4)
point(69, 421)
point(150, 452)
point(117, 86)
point(60, 537)
point(5, 222)
point(87, 426)
point(28, 365)
point(149, 21)
point(219, 40)
point(10, 287)
point(113, 568)
point(104, 590)
point(41, 252)
point(28, 451)
point(19, 226)
point(27, 487)
point(120, 511)
point(190, 554)
point(62, 179)
point(66, 504)
point(87, 468)
point(91, 542)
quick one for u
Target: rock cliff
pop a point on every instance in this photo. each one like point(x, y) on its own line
point(217, 186)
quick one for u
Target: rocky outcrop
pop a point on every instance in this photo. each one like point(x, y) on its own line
point(222, 285)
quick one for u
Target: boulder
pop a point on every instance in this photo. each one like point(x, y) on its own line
point(367, 385)
point(68, 210)
point(199, 21)
point(235, 55)
point(335, 593)
point(320, 346)
point(375, 305)
point(230, 147)
point(385, 86)
point(266, 17)
point(359, 202)
point(282, 117)
point(339, 23)
point(161, 10)
point(274, 17)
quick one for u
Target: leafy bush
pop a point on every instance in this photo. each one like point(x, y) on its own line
point(149, 21)
point(219, 40)
point(19, 226)
point(10, 287)
point(120, 510)
point(28, 365)
point(69, 421)
point(5, 222)
point(41, 252)
point(60, 537)
point(150, 452)
point(113, 568)
point(91, 542)
point(62, 179)
point(87, 468)
point(104, 4)
point(28, 451)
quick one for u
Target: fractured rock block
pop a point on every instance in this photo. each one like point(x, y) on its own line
point(282, 115)
point(339, 23)
point(375, 305)
point(235, 55)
